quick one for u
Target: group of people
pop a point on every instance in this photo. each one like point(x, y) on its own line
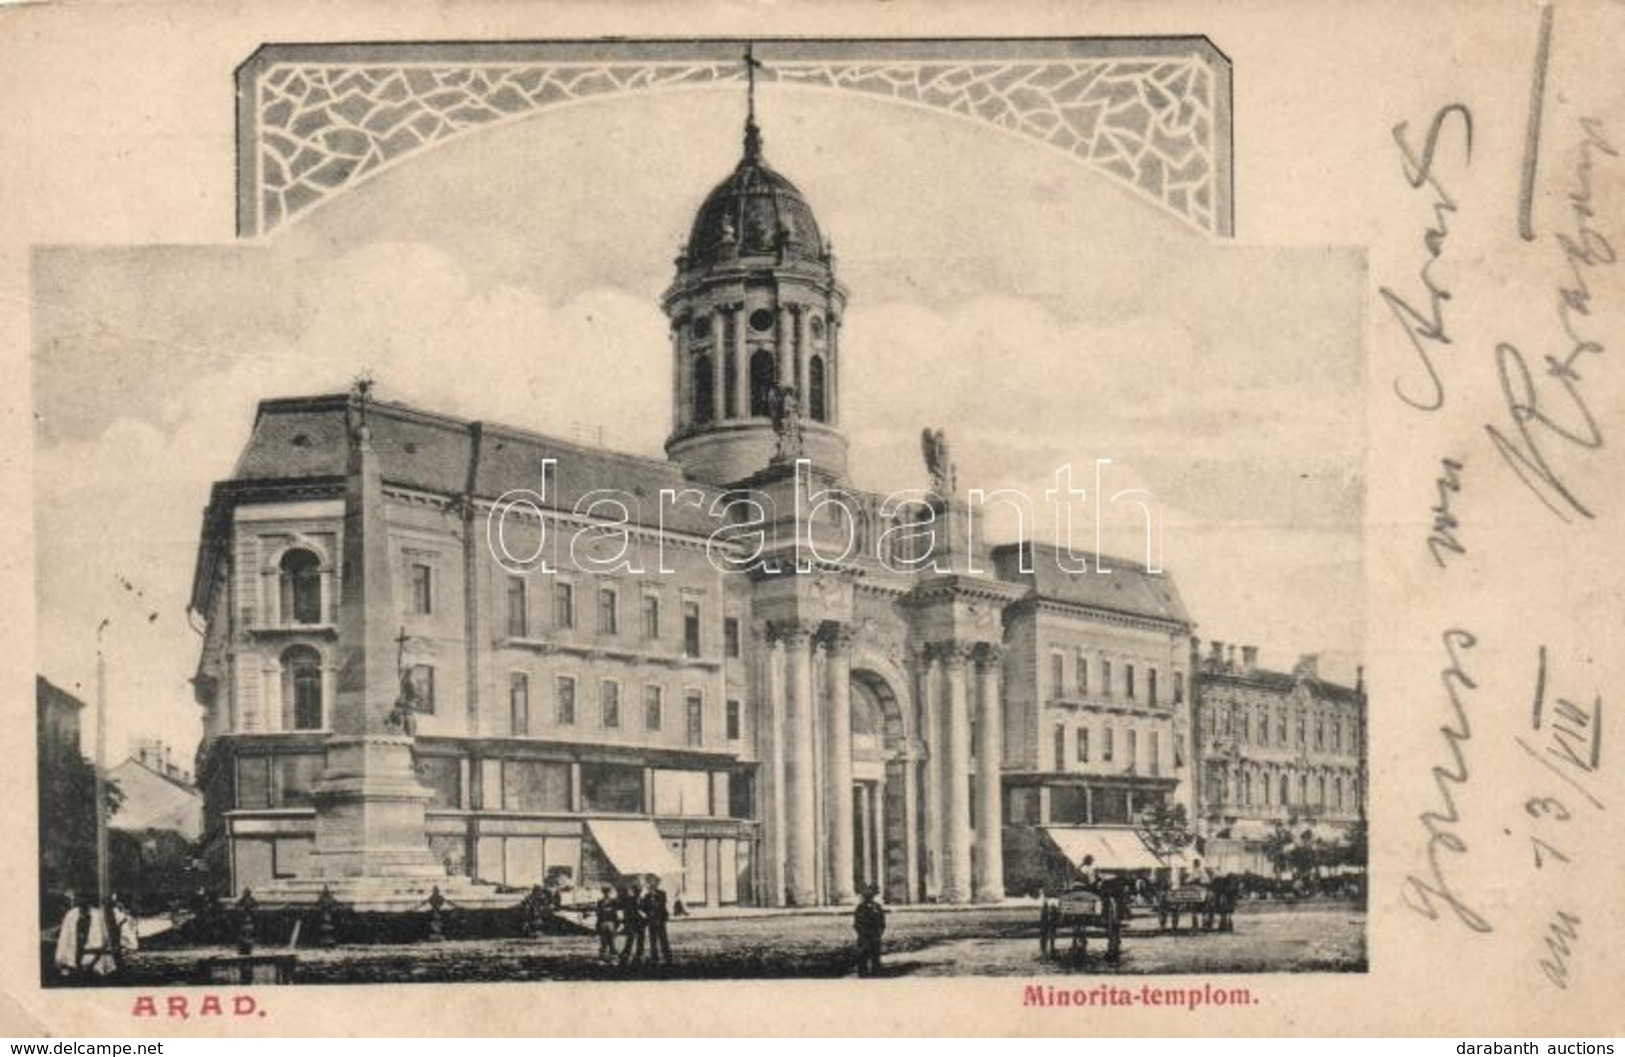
point(94, 942)
point(638, 916)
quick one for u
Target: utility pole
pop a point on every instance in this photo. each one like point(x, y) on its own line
point(103, 893)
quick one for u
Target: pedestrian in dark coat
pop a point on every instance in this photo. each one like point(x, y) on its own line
point(869, 922)
point(606, 915)
point(632, 925)
point(655, 915)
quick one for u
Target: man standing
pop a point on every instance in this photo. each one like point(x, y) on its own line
point(632, 925)
point(604, 920)
point(655, 915)
point(869, 921)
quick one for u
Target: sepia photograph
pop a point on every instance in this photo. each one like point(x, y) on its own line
point(706, 509)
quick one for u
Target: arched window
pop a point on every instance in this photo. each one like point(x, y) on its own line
point(1285, 789)
point(815, 389)
point(705, 397)
point(301, 588)
point(1246, 788)
point(763, 380)
point(301, 689)
point(730, 385)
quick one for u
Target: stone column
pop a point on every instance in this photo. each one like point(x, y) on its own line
point(989, 768)
point(679, 417)
point(804, 363)
point(719, 373)
point(931, 715)
point(801, 816)
point(956, 835)
point(741, 364)
point(838, 764)
point(774, 727)
point(786, 351)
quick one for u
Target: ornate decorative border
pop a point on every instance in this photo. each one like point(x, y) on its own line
point(314, 120)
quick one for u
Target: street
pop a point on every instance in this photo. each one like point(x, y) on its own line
point(993, 941)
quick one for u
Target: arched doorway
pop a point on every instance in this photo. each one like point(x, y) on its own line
point(879, 823)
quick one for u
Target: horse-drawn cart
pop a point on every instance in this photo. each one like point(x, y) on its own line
point(1078, 912)
point(1211, 906)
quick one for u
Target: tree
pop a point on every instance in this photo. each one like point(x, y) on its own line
point(1165, 829)
point(67, 821)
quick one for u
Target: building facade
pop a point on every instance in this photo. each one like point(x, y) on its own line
point(1277, 749)
point(441, 650)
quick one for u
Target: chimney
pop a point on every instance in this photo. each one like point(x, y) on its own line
point(1308, 666)
point(1249, 659)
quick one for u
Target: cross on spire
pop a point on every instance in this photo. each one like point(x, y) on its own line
point(753, 135)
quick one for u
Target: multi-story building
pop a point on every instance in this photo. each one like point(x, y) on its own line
point(1276, 747)
point(441, 649)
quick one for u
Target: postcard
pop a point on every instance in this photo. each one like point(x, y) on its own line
point(900, 519)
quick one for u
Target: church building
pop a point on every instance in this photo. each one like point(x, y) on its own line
point(464, 654)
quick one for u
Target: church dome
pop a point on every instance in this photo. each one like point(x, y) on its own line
point(754, 212)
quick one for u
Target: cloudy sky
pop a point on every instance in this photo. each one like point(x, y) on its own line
point(1040, 313)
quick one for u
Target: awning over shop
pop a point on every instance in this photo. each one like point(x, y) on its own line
point(634, 846)
point(1113, 849)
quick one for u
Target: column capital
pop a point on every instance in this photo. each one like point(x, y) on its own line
point(954, 653)
point(988, 654)
point(795, 634)
point(838, 638)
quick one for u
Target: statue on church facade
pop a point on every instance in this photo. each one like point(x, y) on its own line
point(785, 407)
point(934, 446)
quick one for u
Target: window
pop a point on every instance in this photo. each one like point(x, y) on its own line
point(1320, 734)
point(1106, 678)
point(1128, 680)
point(565, 700)
point(815, 389)
point(1081, 663)
point(1337, 735)
point(1263, 727)
point(1133, 749)
point(1246, 788)
point(564, 606)
point(1106, 749)
point(422, 589)
point(302, 689)
point(1057, 675)
point(612, 787)
point(301, 588)
point(654, 708)
point(518, 611)
point(1280, 727)
point(608, 618)
point(764, 379)
point(691, 629)
point(1179, 687)
point(731, 720)
point(1151, 685)
point(705, 395)
point(1320, 790)
point(420, 680)
point(1337, 790)
point(730, 636)
point(1083, 744)
point(695, 706)
point(609, 704)
point(1060, 748)
point(1301, 731)
point(1285, 789)
point(1156, 754)
point(519, 704)
point(651, 617)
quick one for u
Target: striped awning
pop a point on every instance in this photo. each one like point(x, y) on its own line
point(1112, 849)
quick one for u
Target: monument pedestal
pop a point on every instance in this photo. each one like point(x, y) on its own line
point(370, 849)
